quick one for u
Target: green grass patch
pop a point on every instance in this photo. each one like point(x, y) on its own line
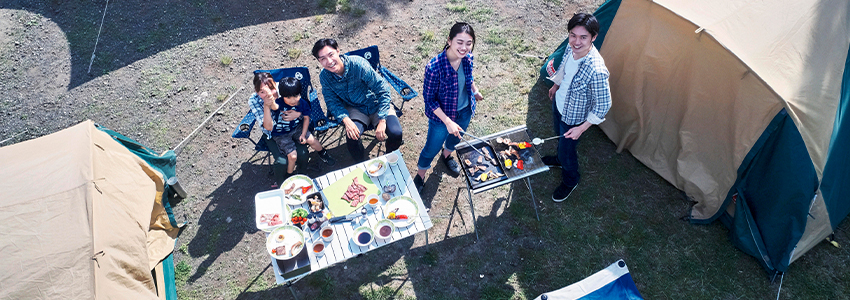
point(430, 258)
point(293, 53)
point(369, 292)
point(181, 273)
point(456, 6)
point(300, 36)
point(481, 14)
point(226, 60)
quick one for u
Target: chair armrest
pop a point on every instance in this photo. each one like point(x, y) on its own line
point(243, 131)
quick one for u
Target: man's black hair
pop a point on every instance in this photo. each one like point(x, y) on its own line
point(326, 43)
point(588, 21)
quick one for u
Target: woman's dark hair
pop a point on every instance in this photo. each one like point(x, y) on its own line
point(585, 20)
point(289, 87)
point(322, 44)
point(461, 27)
point(260, 78)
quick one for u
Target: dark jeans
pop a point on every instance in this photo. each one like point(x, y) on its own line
point(280, 161)
point(355, 147)
point(567, 154)
point(438, 136)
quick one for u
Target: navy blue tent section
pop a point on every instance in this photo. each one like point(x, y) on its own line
point(835, 185)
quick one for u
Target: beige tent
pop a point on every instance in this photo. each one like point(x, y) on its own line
point(81, 217)
point(697, 84)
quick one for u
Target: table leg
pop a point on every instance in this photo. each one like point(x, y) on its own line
point(533, 202)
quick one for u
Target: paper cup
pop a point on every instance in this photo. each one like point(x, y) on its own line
point(392, 158)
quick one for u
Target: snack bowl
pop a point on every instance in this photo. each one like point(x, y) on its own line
point(384, 229)
point(376, 167)
point(363, 236)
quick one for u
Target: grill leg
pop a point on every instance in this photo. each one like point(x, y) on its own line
point(472, 208)
point(533, 202)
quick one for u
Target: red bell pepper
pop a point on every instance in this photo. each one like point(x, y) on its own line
point(519, 164)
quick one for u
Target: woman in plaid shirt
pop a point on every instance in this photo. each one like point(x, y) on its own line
point(581, 97)
point(450, 95)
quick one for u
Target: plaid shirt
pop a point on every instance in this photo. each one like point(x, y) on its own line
point(440, 89)
point(256, 104)
point(589, 97)
point(359, 87)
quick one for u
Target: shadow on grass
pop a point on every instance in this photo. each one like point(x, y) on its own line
point(134, 30)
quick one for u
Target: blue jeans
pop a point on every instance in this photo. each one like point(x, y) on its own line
point(438, 135)
point(567, 154)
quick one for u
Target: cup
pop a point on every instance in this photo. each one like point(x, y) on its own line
point(327, 233)
point(319, 248)
point(392, 158)
point(373, 201)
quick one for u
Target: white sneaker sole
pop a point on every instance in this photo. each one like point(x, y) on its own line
point(565, 198)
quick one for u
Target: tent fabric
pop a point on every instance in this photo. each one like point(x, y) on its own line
point(696, 86)
point(836, 174)
point(774, 194)
point(613, 282)
point(75, 213)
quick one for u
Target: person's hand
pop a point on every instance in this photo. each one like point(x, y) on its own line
point(452, 127)
point(350, 129)
point(381, 130)
point(552, 91)
point(290, 115)
point(302, 138)
point(575, 132)
point(478, 96)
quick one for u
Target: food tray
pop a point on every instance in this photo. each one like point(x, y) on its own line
point(270, 202)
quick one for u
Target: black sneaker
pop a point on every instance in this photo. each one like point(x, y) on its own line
point(326, 157)
point(551, 160)
point(452, 166)
point(418, 182)
point(562, 192)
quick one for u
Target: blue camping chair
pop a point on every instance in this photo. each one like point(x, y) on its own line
point(319, 121)
point(374, 57)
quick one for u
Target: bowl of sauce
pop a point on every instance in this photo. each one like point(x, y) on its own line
point(319, 248)
point(384, 229)
point(363, 236)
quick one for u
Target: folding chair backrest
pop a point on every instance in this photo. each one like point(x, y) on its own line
point(372, 54)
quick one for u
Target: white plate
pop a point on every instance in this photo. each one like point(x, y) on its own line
point(405, 206)
point(372, 164)
point(291, 236)
point(299, 181)
point(270, 202)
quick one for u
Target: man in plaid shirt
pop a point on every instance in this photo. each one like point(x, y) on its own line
point(583, 101)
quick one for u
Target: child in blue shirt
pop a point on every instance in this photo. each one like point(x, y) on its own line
point(286, 133)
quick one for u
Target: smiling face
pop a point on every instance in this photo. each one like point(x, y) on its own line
point(460, 45)
point(267, 91)
point(292, 101)
point(329, 58)
point(580, 41)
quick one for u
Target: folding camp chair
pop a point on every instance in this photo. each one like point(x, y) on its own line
point(319, 121)
point(374, 57)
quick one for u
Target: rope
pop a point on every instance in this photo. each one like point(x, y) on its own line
point(98, 35)
point(208, 118)
point(780, 285)
point(14, 136)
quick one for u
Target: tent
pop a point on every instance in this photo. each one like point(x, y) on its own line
point(740, 104)
point(85, 213)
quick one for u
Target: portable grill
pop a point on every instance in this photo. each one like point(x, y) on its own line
point(532, 164)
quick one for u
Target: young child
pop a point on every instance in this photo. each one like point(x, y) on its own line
point(286, 133)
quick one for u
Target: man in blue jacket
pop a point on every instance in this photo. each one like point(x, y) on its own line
point(355, 94)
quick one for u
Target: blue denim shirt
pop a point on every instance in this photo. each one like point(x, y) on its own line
point(359, 87)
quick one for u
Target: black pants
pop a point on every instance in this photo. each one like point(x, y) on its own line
point(394, 135)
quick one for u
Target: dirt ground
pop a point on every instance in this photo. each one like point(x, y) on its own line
point(162, 67)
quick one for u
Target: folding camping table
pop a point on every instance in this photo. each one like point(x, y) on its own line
point(533, 164)
point(342, 247)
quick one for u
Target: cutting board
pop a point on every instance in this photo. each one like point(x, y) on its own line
point(339, 207)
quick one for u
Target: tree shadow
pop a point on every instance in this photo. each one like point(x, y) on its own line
point(134, 30)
